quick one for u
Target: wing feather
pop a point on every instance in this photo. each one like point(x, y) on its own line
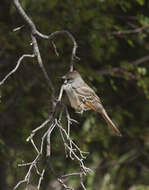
point(88, 94)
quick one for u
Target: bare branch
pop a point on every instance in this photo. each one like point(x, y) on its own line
point(61, 93)
point(34, 146)
point(37, 54)
point(73, 148)
point(27, 177)
point(139, 61)
point(81, 179)
point(25, 164)
point(121, 72)
point(19, 183)
point(55, 49)
point(34, 32)
point(25, 17)
point(137, 30)
point(41, 178)
point(16, 67)
point(38, 128)
point(49, 140)
point(54, 119)
point(70, 175)
point(73, 56)
point(64, 185)
point(18, 28)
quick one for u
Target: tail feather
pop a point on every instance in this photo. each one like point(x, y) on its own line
point(110, 123)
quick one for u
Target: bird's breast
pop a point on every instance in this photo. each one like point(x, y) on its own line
point(72, 96)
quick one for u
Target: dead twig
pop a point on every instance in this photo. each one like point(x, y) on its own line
point(54, 119)
point(16, 67)
point(136, 30)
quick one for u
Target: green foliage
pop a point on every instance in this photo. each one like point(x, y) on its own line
point(141, 2)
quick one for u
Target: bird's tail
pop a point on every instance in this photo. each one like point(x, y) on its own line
point(110, 123)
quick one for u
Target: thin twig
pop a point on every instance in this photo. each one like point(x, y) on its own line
point(18, 28)
point(48, 37)
point(55, 49)
point(16, 67)
point(81, 180)
point(64, 185)
point(27, 177)
point(137, 30)
point(121, 72)
point(61, 93)
point(41, 178)
point(140, 61)
point(48, 152)
point(25, 17)
point(34, 146)
point(37, 129)
point(53, 120)
point(70, 175)
point(37, 54)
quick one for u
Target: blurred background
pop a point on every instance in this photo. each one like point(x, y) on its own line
point(113, 39)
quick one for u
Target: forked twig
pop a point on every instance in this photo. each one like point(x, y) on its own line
point(16, 67)
point(54, 120)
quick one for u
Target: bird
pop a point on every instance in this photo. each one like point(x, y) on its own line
point(83, 98)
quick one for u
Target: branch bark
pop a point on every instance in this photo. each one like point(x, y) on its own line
point(121, 71)
point(53, 121)
point(35, 32)
point(133, 31)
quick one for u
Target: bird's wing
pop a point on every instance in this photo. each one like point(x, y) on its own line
point(90, 99)
point(87, 94)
